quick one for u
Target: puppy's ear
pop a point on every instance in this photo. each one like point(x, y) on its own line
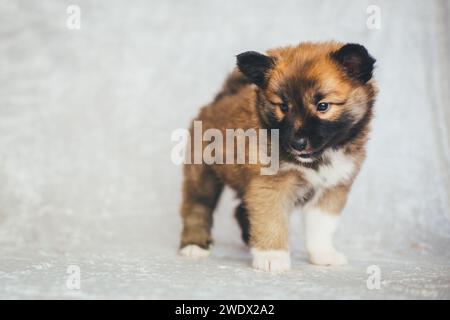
point(355, 61)
point(255, 66)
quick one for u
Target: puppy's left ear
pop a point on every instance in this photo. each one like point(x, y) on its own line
point(255, 66)
point(356, 62)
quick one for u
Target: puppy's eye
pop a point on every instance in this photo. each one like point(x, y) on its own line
point(284, 107)
point(323, 106)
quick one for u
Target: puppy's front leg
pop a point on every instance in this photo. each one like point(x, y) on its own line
point(321, 220)
point(266, 205)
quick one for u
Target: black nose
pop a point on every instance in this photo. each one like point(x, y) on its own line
point(299, 144)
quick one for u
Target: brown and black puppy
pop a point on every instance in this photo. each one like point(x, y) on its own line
point(320, 98)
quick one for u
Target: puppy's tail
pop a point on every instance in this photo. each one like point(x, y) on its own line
point(233, 84)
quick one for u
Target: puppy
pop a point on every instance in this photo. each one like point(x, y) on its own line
point(319, 96)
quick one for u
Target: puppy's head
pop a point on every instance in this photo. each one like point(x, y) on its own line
point(317, 95)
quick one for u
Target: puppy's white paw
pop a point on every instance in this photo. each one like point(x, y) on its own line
point(194, 251)
point(327, 258)
point(271, 260)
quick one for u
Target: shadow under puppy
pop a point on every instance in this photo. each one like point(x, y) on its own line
point(320, 98)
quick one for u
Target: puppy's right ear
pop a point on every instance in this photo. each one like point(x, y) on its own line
point(255, 66)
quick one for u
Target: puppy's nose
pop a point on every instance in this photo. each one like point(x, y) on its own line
point(300, 144)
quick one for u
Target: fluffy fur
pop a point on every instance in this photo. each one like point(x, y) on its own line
point(321, 152)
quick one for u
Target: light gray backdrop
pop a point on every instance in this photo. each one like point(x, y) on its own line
point(85, 123)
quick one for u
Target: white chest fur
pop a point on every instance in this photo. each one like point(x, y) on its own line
point(337, 169)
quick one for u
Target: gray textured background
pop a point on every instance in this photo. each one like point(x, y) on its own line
point(85, 172)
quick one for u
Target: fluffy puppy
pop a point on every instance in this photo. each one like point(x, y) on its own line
point(319, 96)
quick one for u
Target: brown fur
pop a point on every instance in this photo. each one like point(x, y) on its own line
point(266, 200)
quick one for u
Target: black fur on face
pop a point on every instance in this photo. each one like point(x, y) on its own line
point(321, 134)
point(301, 93)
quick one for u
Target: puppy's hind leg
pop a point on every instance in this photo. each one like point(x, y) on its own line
point(241, 215)
point(201, 191)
